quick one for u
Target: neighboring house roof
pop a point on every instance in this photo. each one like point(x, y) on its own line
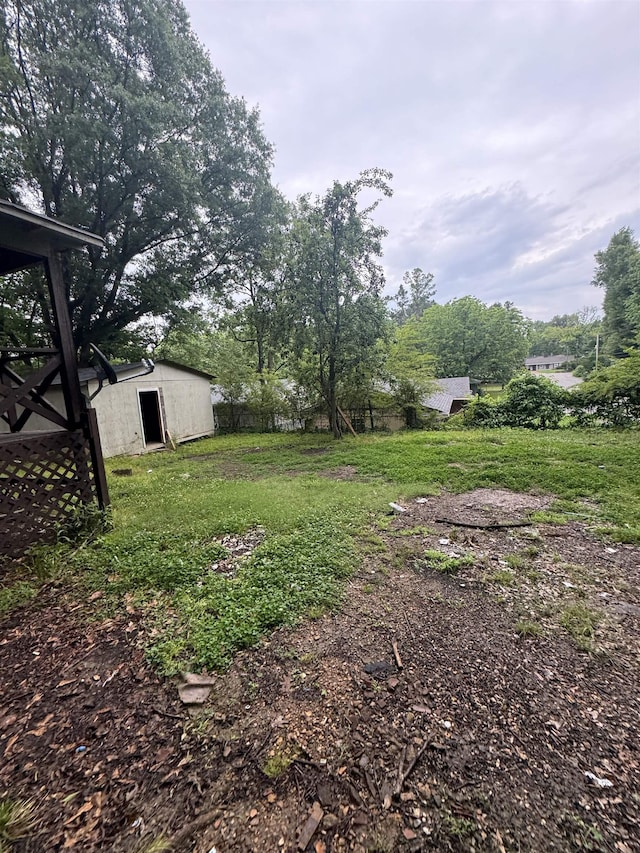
point(447, 391)
point(538, 360)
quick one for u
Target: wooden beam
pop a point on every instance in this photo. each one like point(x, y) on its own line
point(347, 421)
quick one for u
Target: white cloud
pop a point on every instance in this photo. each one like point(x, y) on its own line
point(512, 129)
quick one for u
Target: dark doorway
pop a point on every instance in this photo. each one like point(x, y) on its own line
point(151, 418)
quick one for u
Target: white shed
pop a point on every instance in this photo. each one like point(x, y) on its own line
point(144, 410)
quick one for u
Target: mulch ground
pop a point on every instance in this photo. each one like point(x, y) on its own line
point(468, 736)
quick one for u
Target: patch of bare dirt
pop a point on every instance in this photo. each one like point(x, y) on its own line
point(467, 736)
point(344, 472)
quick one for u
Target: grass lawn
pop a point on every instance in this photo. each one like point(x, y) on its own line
point(309, 503)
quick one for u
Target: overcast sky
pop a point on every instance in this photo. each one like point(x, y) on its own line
point(512, 128)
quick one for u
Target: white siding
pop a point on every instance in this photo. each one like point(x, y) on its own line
point(187, 409)
point(188, 412)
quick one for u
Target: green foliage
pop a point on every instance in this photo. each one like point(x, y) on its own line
point(18, 818)
point(157, 560)
point(533, 402)
point(410, 371)
point(114, 120)
point(279, 762)
point(611, 396)
point(469, 338)
point(15, 595)
point(527, 628)
point(481, 412)
point(414, 295)
point(503, 577)
point(529, 401)
point(266, 399)
point(285, 577)
point(444, 563)
point(336, 310)
point(618, 272)
point(581, 622)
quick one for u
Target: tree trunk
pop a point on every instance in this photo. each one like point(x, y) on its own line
point(334, 423)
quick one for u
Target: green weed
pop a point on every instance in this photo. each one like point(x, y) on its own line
point(526, 628)
point(18, 818)
point(516, 561)
point(459, 827)
point(531, 551)
point(16, 595)
point(279, 762)
point(503, 577)
point(581, 622)
point(545, 517)
point(421, 530)
point(446, 564)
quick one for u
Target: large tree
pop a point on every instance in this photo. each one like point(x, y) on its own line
point(112, 118)
point(254, 303)
point(334, 295)
point(618, 272)
point(414, 295)
point(469, 338)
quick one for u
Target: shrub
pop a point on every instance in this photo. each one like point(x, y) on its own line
point(534, 402)
point(612, 395)
point(483, 412)
point(529, 401)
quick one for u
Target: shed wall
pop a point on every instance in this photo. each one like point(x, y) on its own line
point(187, 409)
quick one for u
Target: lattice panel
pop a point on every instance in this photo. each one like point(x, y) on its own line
point(42, 477)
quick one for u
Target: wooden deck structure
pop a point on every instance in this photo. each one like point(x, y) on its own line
point(43, 474)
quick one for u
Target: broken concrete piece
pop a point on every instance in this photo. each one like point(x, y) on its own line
point(191, 695)
point(195, 689)
point(200, 680)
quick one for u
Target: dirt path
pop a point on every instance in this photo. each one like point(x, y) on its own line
point(299, 742)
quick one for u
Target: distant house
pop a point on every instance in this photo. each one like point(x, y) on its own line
point(149, 406)
point(450, 396)
point(546, 362)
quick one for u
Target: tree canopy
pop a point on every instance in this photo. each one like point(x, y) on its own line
point(414, 295)
point(568, 334)
point(469, 338)
point(112, 118)
point(618, 272)
point(334, 295)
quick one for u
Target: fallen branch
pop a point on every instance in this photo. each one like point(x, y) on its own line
point(484, 525)
point(176, 842)
point(396, 655)
point(402, 777)
point(404, 613)
point(167, 714)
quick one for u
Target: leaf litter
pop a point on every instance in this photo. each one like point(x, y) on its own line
point(487, 738)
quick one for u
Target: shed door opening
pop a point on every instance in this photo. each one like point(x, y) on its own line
point(151, 417)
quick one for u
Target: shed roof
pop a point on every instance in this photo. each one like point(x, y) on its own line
point(26, 237)
point(86, 374)
point(447, 390)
